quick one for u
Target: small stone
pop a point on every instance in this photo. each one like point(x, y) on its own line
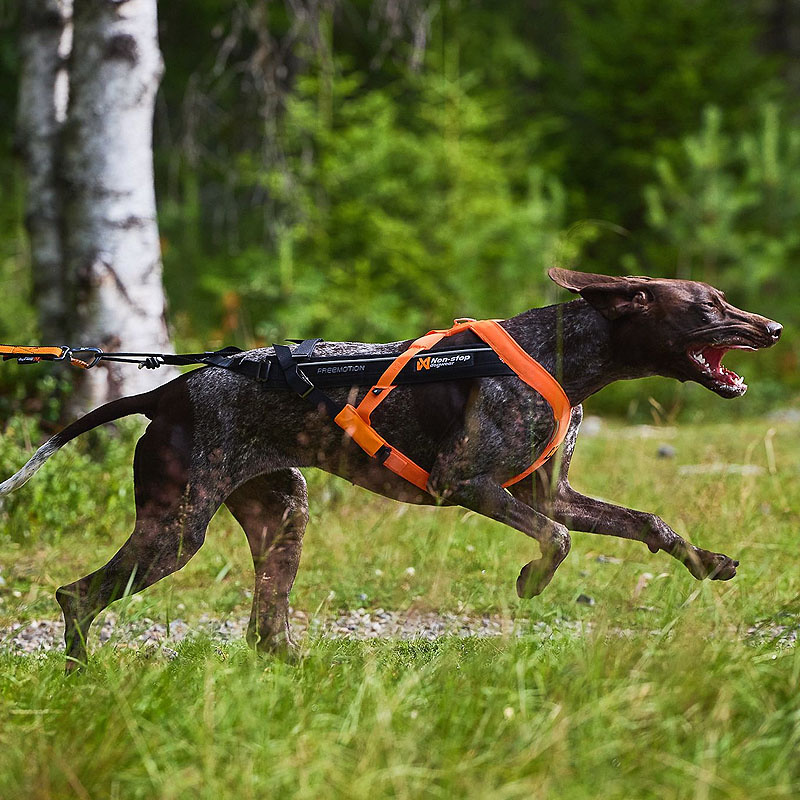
point(584, 600)
point(666, 451)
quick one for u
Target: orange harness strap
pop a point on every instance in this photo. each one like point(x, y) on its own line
point(356, 421)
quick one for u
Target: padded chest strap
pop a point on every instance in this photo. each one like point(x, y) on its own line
point(355, 421)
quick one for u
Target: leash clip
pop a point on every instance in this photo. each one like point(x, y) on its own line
point(69, 352)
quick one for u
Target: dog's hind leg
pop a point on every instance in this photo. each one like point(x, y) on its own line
point(273, 510)
point(171, 521)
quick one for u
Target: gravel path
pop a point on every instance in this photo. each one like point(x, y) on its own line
point(145, 634)
point(43, 635)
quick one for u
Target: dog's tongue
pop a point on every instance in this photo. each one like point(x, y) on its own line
point(713, 357)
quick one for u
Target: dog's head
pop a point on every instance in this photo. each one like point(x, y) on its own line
point(675, 328)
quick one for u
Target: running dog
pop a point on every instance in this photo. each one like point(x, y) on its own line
point(218, 437)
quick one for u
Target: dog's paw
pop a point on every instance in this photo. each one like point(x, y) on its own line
point(278, 645)
point(533, 578)
point(705, 564)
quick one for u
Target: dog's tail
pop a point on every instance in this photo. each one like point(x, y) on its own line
point(116, 409)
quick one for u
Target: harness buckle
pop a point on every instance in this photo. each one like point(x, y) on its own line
point(306, 381)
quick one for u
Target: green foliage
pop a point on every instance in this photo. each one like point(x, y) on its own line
point(372, 171)
point(629, 78)
point(730, 207)
point(28, 389)
point(83, 491)
point(389, 225)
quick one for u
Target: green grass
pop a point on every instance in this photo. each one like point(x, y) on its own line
point(663, 694)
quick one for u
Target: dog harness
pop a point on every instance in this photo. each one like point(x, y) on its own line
point(355, 421)
point(301, 371)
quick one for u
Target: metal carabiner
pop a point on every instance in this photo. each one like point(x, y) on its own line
point(97, 354)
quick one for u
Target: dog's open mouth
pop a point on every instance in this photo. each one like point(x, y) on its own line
point(708, 360)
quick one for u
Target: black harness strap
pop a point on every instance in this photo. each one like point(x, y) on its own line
point(305, 349)
point(304, 367)
point(288, 362)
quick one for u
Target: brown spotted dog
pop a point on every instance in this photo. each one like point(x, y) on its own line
point(218, 437)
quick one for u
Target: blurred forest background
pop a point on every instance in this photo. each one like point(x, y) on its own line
point(368, 170)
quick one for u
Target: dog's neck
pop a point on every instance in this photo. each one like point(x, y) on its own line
point(573, 342)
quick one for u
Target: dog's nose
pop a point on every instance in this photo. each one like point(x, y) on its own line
point(774, 329)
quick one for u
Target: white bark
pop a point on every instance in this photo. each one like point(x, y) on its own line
point(111, 236)
point(44, 43)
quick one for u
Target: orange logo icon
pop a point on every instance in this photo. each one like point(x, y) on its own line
point(423, 363)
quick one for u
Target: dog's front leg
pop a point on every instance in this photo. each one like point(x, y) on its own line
point(582, 513)
point(551, 492)
point(484, 495)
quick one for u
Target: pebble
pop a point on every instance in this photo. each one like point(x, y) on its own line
point(608, 560)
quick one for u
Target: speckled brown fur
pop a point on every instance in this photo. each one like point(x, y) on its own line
point(218, 437)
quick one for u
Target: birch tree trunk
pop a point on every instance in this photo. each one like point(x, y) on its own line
point(44, 45)
point(111, 243)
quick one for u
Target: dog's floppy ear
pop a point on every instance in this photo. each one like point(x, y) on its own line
point(613, 297)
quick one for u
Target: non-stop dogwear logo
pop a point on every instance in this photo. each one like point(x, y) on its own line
point(437, 362)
